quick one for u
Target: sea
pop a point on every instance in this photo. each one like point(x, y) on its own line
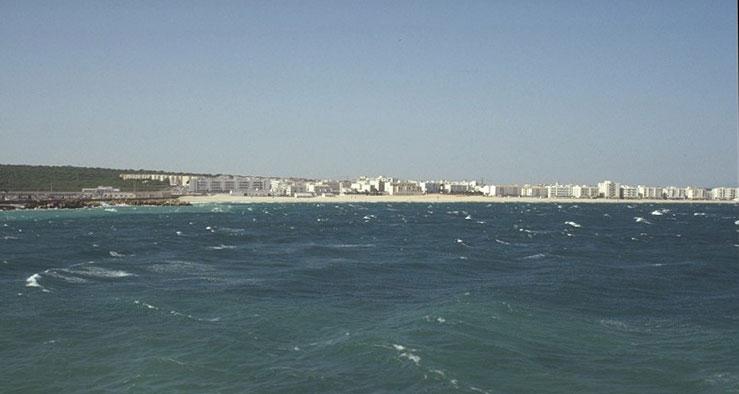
point(372, 297)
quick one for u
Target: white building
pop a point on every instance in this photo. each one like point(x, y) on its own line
point(559, 191)
point(238, 185)
point(696, 193)
point(406, 188)
point(584, 191)
point(172, 179)
point(629, 192)
point(650, 192)
point(286, 187)
point(105, 192)
point(456, 187)
point(674, 193)
point(323, 187)
point(608, 189)
point(724, 193)
point(370, 185)
point(535, 191)
point(502, 190)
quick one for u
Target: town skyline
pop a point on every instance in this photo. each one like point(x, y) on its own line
point(483, 180)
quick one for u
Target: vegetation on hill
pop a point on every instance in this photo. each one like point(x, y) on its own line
point(71, 179)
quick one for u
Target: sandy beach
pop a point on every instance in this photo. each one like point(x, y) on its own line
point(428, 198)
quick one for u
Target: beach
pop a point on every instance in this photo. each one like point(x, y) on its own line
point(426, 198)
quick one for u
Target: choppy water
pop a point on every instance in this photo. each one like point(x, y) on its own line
point(374, 297)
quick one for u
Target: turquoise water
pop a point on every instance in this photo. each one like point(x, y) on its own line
point(371, 298)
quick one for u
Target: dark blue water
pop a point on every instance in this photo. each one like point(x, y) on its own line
point(371, 298)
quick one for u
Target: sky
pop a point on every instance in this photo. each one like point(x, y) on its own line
point(641, 92)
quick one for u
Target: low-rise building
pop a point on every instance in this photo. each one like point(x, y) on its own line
point(584, 191)
point(650, 192)
point(629, 192)
point(370, 185)
point(106, 192)
point(323, 187)
point(674, 193)
point(456, 187)
point(406, 188)
point(696, 193)
point(559, 191)
point(236, 185)
point(724, 193)
point(535, 191)
point(172, 179)
point(502, 190)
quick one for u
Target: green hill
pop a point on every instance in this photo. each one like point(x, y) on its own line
point(72, 179)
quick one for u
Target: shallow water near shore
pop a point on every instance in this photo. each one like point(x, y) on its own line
point(443, 297)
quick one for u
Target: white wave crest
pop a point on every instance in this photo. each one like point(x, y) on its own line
point(410, 356)
point(573, 224)
point(32, 281)
point(99, 272)
point(222, 247)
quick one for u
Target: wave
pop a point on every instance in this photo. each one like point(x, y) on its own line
point(639, 219)
point(461, 242)
point(502, 242)
point(221, 247)
point(175, 313)
point(113, 253)
point(406, 353)
point(68, 279)
point(410, 356)
point(573, 224)
point(32, 281)
point(99, 272)
point(534, 256)
point(350, 246)
point(149, 306)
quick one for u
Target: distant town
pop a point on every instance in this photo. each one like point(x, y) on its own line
point(176, 185)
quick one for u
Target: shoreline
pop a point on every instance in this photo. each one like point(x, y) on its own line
point(85, 203)
point(426, 198)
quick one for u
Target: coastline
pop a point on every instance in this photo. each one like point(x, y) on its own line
point(426, 198)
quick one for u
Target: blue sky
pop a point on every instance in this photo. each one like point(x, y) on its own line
point(507, 91)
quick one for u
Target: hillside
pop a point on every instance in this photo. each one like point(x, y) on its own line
point(68, 178)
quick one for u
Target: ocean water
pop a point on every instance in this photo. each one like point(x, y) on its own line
point(371, 298)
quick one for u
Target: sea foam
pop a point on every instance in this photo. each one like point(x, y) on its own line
point(32, 281)
point(99, 272)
